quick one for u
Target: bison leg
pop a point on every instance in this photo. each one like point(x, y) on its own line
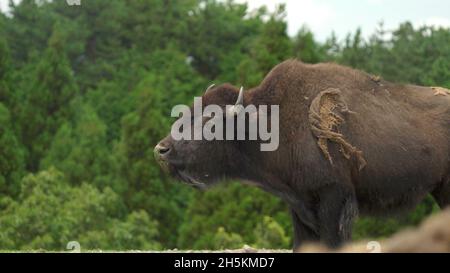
point(337, 209)
point(302, 232)
point(442, 194)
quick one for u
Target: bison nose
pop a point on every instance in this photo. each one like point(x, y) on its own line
point(161, 150)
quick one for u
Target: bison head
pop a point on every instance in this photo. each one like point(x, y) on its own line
point(200, 163)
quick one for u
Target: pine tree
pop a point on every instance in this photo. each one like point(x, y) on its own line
point(81, 152)
point(47, 102)
point(268, 49)
point(49, 213)
point(5, 64)
point(11, 151)
point(11, 157)
point(306, 48)
point(29, 29)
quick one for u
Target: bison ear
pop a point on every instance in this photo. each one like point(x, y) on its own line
point(209, 88)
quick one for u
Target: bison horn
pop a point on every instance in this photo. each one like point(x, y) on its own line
point(240, 99)
point(209, 88)
point(234, 110)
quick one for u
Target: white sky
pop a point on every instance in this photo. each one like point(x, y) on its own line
point(344, 16)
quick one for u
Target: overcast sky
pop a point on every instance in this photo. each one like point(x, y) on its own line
point(343, 16)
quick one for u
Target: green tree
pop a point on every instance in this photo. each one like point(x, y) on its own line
point(5, 63)
point(112, 99)
point(47, 102)
point(270, 234)
point(306, 48)
point(215, 30)
point(224, 240)
point(354, 52)
point(80, 151)
point(49, 213)
point(267, 50)
point(29, 29)
point(155, 24)
point(440, 73)
point(236, 208)
point(11, 157)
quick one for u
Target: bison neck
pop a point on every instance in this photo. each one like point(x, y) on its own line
point(249, 170)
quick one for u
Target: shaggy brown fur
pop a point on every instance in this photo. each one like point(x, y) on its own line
point(389, 145)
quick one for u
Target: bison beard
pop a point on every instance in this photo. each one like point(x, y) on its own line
point(349, 144)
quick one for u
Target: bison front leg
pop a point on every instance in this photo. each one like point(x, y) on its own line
point(303, 232)
point(336, 211)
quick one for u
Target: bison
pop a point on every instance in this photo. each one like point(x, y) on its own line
point(349, 143)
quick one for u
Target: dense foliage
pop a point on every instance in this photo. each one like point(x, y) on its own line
point(86, 92)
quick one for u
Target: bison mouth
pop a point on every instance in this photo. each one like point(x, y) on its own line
point(187, 179)
point(177, 169)
point(179, 172)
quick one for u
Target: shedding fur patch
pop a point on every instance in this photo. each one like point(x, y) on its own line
point(441, 91)
point(376, 79)
point(325, 124)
